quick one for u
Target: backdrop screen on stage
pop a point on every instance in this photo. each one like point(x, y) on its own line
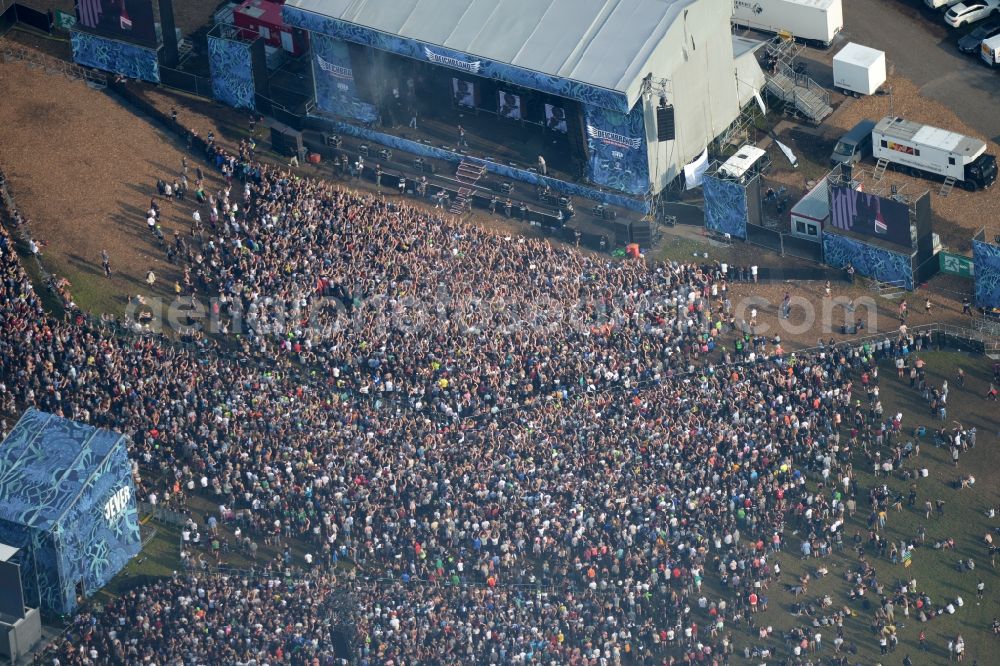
point(510, 105)
point(465, 93)
point(555, 118)
point(869, 214)
point(128, 20)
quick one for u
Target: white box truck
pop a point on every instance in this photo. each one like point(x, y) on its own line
point(859, 70)
point(812, 21)
point(989, 50)
point(921, 149)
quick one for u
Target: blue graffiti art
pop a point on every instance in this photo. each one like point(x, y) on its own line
point(230, 63)
point(868, 260)
point(986, 259)
point(725, 206)
point(616, 149)
point(131, 60)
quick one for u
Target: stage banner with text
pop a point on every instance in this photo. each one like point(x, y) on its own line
point(616, 149)
point(336, 92)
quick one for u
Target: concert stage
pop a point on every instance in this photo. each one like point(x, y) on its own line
point(592, 89)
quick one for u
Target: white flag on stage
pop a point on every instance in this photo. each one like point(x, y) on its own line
point(695, 170)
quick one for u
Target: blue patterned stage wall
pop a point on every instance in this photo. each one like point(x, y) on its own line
point(411, 48)
point(135, 62)
point(986, 259)
point(232, 72)
point(616, 146)
point(335, 89)
point(523, 175)
point(725, 206)
point(868, 260)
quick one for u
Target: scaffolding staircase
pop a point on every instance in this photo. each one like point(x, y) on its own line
point(947, 186)
point(467, 174)
point(800, 94)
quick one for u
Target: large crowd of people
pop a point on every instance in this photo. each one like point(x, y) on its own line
point(522, 453)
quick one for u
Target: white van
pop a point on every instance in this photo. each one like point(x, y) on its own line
point(989, 50)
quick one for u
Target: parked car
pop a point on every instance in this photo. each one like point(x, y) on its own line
point(976, 10)
point(970, 42)
point(941, 4)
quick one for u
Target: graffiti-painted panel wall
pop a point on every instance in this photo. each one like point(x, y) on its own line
point(116, 57)
point(868, 260)
point(616, 149)
point(725, 206)
point(231, 66)
point(986, 259)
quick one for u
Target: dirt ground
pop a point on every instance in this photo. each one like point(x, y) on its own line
point(83, 169)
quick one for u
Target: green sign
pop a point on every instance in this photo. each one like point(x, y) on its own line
point(64, 20)
point(955, 264)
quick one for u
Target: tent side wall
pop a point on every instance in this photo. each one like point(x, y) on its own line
point(99, 533)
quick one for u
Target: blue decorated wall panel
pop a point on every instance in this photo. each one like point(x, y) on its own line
point(523, 175)
point(986, 259)
point(335, 90)
point(131, 60)
point(725, 206)
point(411, 48)
point(231, 66)
point(67, 498)
point(868, 260)
point(616, 149)
point(95, 543)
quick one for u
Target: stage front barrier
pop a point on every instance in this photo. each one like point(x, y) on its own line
point(986, 259)
point(117, 57)
point(868, 260)
point(509, 172)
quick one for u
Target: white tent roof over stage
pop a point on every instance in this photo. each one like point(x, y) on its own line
point(603, 43)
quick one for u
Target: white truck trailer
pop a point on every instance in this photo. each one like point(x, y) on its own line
point(812, 21)
point(922, 149)
point(859, 70)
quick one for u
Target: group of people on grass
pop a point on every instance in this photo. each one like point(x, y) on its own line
point(521, 453)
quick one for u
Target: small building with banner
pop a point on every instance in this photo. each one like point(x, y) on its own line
point(68, 505)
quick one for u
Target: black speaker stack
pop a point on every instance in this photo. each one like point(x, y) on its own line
point(641, 234)
point(622, 233)
point(665, 130)
point(286, 142)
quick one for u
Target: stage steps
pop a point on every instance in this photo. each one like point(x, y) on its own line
point(468, 174)
point(463, 202)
